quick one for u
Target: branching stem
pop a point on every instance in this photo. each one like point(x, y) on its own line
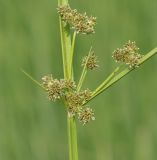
point(122, 74)
point(72, 52)
point(108, 79)
point(84, 72)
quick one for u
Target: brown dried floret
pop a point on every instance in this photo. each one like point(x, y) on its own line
point(86, 94)
point(81, 23)
point(68, 84)
point(90, 61)
point(53, 87)
point(75, 100)
point(57, 88)
point(86, 115)
point(128, 54)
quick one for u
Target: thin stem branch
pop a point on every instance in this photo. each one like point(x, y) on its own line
point(82, 78)
point(84, 72)
point(107, 80)
point(72, 52)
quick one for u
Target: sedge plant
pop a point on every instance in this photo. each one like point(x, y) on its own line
point(67, 90)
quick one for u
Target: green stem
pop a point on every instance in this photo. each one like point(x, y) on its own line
point(84, 72)
point(72, 135)
point(66, 48)
point(65, 43)
point(72, 52)
point(62, 2)
point(107, 80)
point(82, 78)
point(67, 55)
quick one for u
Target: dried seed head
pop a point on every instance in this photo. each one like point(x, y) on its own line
point(128, 54)
point(86, 94)
point(131, 47)
point(68, 84)
point(53, 87)
point(86, 115)
point(90, 61)
point(75, 100)
point(54, 90)
point(47, 80)
point(57, 88)
point(81, 23)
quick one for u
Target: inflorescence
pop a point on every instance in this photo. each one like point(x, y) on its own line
point(66, 89)
point(57, 88)
point(128, 55)
point(90, 61)
point(86, 115)
point(81, 23)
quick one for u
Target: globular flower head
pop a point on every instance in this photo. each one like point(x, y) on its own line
point(53, 87)
point(86, 115)
point(90, 61)
point(75, 100)
point(81, 23)
point(86, 94)
point(57, 88)
point(128, 54)
point(131, 47)
point(47, 80)
point(68, 84)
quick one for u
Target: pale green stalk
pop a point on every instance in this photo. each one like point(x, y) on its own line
point(66, 44)
point(72, 52)
point(67, 55)
point(82, 78)
point(84, 72)
point(72, 136)
point(107, 80)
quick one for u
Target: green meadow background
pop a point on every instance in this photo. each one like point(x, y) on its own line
point(31, 127)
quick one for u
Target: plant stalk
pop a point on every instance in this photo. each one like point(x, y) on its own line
point(67, 56)
point(72, 136)
point(72, 53)
point(106, 81)
point(84, 72)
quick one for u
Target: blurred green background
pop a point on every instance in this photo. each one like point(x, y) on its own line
point(31, 127)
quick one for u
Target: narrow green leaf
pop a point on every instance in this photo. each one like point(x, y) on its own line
point(31, 78)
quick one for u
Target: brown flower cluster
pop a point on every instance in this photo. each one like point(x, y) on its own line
point(56, 88)
point(128, 54)
point(81, 23)
point(86, 115)
point(75, 100)
point(90, 61)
